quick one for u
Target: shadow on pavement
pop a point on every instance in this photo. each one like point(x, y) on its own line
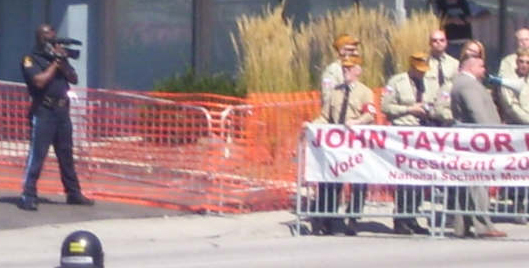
point(53, 209)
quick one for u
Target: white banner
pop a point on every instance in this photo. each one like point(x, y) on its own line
point(417, 155)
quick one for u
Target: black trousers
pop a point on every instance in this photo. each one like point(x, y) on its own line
point(328, 194)
point(51, 126)
point(409, 199)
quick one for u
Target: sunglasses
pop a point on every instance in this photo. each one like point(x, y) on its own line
point(438, 39)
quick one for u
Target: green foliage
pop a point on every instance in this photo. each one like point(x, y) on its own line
point(221, 84)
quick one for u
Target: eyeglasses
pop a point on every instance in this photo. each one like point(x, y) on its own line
point(438, 39)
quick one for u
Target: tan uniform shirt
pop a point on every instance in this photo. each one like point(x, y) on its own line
point(441, 107)
point(331, 77)
point(400, 94)
point(449, 65)
point(508, 66)
point(360, 98)
point(516, 105)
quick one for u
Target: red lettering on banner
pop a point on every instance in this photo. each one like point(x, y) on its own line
point(336, 137)
point(404, 135)
point(440, 140)
point(457, 145)
point(527, 141)
point(340, 135)
point(343, 167)
point(403, 161)
point(360, 137)
point(423, 142)
point(317, 141)
point(503, 140)
point(485, 142)
point(374, 138)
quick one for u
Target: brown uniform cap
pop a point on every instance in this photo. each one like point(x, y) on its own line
point(419, 61)
point(343, 40)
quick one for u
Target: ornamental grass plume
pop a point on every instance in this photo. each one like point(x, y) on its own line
point(370, 26)
point(272, 56)
point(411, 36)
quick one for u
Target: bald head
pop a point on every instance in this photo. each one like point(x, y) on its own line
point(522, 38)
point(437, 43)
point(44, 34)
point(474, 66)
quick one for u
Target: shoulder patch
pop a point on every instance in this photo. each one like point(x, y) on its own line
point(445, 95)
point(27, 62)
point(327, 83)
point(388, 90)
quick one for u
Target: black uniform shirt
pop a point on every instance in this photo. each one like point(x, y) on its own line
point(36, 63)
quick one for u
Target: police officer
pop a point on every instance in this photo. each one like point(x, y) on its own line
point(47, 73)
point(406, 102)
point(508, 64)
point(346, 46)
point(82, 249)
point(350, 103)
point(515, 104)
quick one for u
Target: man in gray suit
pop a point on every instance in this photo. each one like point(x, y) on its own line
point(471, 103)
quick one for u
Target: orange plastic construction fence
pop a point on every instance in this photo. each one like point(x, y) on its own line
point(194, 152)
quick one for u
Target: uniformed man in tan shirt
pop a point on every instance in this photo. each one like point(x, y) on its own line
point(346, 46)
point(515, 102)
point(407, 101)
point(442, 65)
point(349, 103)
point(508, 63)
point(408, 96)
point(515, 105)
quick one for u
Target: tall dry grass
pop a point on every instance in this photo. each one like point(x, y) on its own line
point(275, 56)
point(411, 36)
point(371, 26)
point(272, 55)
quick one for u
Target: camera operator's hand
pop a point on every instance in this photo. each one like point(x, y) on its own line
point(60, 51)
point(66, 70)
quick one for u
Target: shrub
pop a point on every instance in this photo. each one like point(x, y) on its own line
point(221, 84)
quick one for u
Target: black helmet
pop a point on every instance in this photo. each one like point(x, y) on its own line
point(81, 249)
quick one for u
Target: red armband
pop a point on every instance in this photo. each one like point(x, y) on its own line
point(369, 108)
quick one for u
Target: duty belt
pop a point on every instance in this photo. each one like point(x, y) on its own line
point(51, 102)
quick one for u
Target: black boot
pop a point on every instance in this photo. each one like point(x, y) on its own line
point(414, 225)
point(28, 203)
point(337, 226)
point(400, 227)
point(79, 199)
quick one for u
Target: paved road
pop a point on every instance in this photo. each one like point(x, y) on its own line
point(53, 210)
point(253, 240)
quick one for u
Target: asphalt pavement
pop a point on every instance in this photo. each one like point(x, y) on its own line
point(136, 236)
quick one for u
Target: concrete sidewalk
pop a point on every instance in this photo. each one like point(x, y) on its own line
point(257, 240)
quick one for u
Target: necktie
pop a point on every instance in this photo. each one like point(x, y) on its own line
point(440, 75)
point(343, 110)
point(419, 85)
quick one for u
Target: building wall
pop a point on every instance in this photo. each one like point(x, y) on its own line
point(131, 44)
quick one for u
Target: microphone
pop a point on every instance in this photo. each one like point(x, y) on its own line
point(515, 84)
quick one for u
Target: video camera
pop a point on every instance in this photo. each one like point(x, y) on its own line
point(70, 53)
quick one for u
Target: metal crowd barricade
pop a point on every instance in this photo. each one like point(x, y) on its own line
point(440, 203)
point(506, 202)
point(317, 200)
